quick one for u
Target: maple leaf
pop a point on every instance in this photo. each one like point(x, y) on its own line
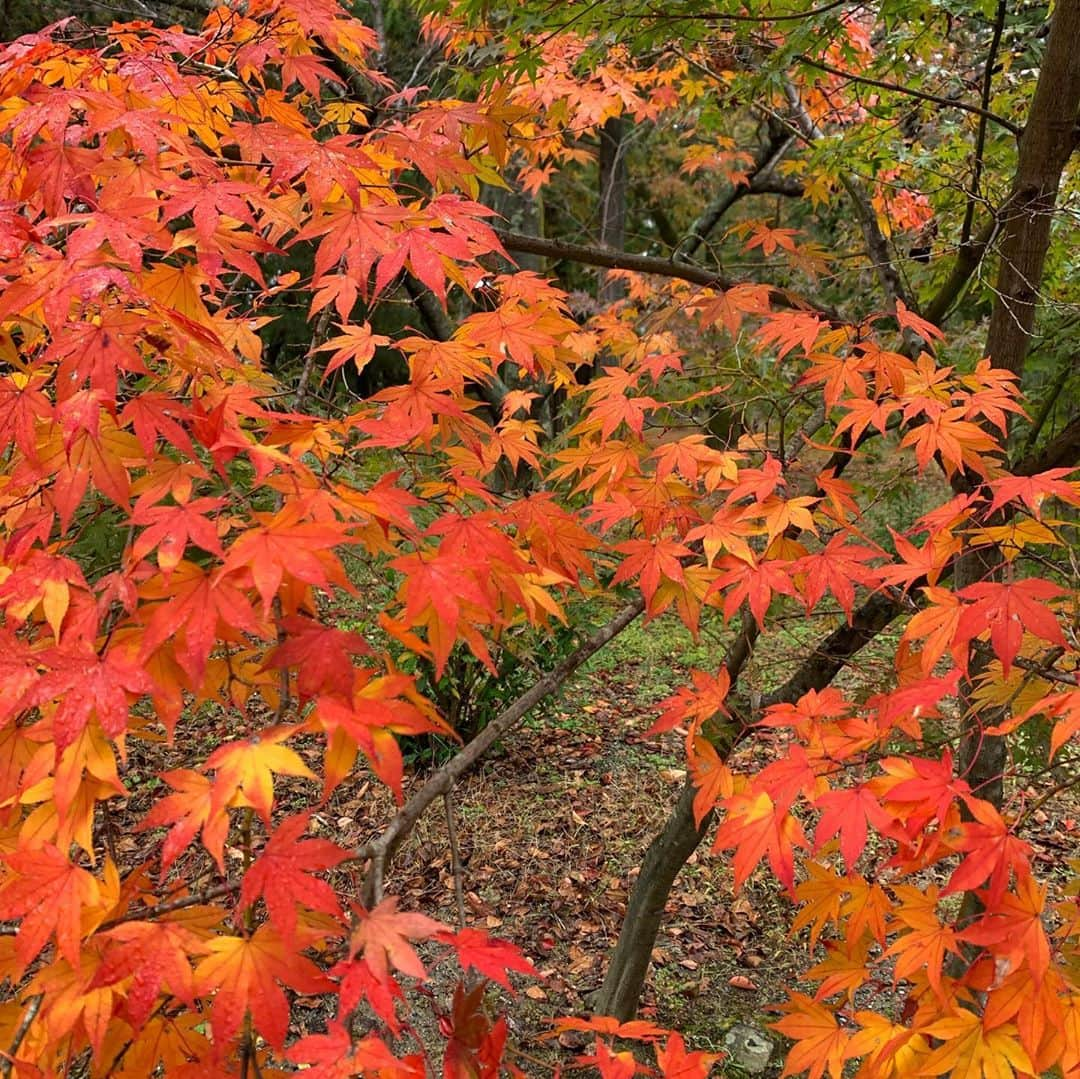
point(821, 896)
point(676, 1063)
point(821, 1044)
point(1013, 930)
point(282, 545)
point(334, 1056)
point(925, 941)
point(711, 777)
point(752, 584)
point(938, 622)
point(356, 343)
point(1009, 609)
point(322, 656)
point(960, 442)
point(171, 528)
point(247, 767)
point(838, 567)
point(651, 561)
point(866, 910)
point(193, 609)
point(51, 896)
point(791, 329)
point(358, 983)
point(891, 1050)
point(972, 1051)
point(843, 970)
point(930, 784)
point(382, 937)
point(697, 704)
point(187, 812)
point(492, 958)
point(756, 827)
point(279, 875)
point(847, 811)
point(245, 974)
point(908, 320)
point(155, 955)
point(1033, 491)
point(992, 853)
point(476, 1045)
point(378, 709)
point(729, 306)
point(634, 1029)
point(84, 682)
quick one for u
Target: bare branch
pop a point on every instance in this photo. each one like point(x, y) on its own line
point(646, 264)
point(380, 851)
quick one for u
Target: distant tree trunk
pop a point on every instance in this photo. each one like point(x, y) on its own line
point(613, 187)
point(1047, 143)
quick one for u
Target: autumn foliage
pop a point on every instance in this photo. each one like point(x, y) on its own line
point(179, 522)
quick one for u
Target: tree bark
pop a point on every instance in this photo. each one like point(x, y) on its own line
point(1047, 143)
point(668, 852)
point(613, 185)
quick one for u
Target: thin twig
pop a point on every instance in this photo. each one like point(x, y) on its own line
point(322, 330)
point(28, 1017)
point(455, 857)
point(980, 137)
point(162, 909)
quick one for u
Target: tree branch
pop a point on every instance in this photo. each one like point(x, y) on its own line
point(908, 91)
point(1060, 452)
point(380, 851)
point(646, 264)
point(980, 137)
point(967, 262)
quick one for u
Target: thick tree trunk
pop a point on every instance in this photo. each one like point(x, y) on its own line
point(613, 185)
point(667, 854)
point(1049, 138)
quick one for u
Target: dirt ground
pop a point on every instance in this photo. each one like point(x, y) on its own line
point(552, 828)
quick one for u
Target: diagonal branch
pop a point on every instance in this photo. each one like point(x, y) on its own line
point(645, 264)
point(380, 851)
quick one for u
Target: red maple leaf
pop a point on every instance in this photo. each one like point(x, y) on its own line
point(382, 937)
point(49, 895)
point(280, 875)
point(322, 656)
point(492, 958)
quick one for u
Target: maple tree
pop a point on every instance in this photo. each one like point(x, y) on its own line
point(179, 522)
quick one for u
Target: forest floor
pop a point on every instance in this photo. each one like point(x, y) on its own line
point(552, 828)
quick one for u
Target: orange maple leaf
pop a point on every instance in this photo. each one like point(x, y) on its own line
point(243, 974)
